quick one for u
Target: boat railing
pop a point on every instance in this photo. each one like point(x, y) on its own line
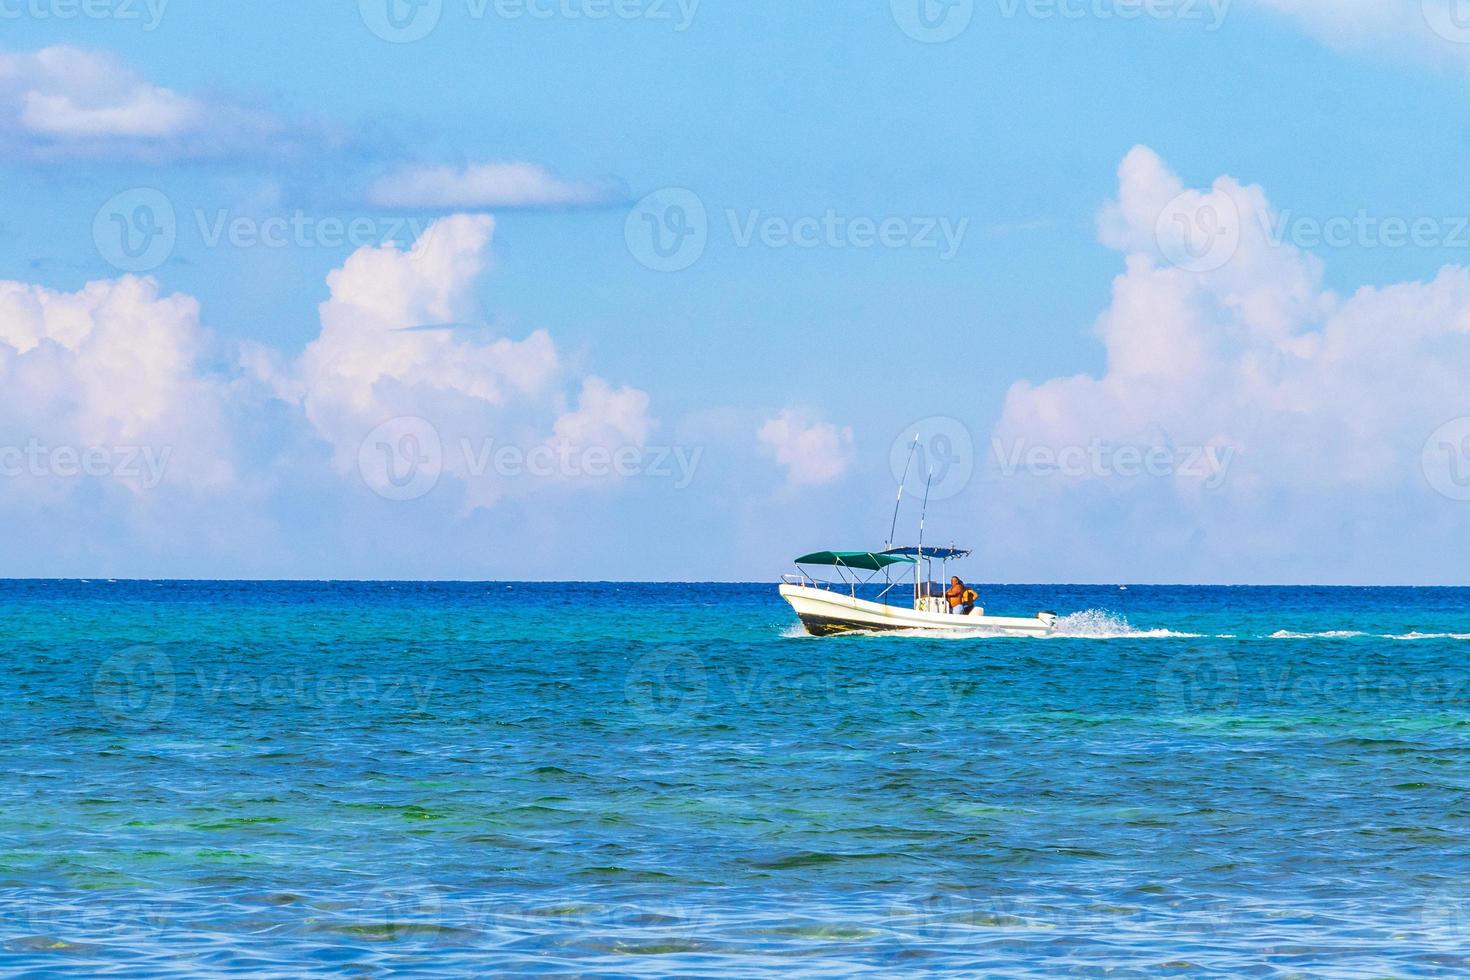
point(806, 581)
point(796, 578)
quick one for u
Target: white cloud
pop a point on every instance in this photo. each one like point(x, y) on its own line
point(812, 451)
point(71, 93)
point(211, 459)
point(1318, 402)
point(606, 416)
point(1423, 29)
point(493, 185)
point(146, 111)
point(63, 103)
point(1351, 21)
point(373, 362)
point(369, 363)
point(114, 368)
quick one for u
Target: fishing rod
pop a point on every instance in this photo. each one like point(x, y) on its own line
point(919, 562)
point(893, 527)
point(924, 511)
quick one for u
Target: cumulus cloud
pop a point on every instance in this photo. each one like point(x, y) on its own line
point(1284, 407)
point(374, 362)
point(63, 103)
point(606, 416)
point(149, 444)
point(493, 185)
point(116, 371)
point(812, 451)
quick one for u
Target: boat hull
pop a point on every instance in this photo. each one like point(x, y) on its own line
point(825, 612)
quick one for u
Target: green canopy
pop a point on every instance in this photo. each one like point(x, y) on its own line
point(865, 560)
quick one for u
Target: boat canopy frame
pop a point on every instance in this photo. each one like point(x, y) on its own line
point(873, 562)
point(854, 562)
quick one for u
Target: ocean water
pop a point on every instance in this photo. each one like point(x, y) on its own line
point(374, 780)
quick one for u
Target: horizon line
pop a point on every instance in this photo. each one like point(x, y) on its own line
point(115, 579)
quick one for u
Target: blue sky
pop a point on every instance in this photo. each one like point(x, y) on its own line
point(1019, 167)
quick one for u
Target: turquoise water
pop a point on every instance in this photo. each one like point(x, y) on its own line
point(439, 780)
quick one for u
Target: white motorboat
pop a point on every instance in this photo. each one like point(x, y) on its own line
point(828, 608)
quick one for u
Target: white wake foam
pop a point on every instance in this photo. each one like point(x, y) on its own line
point(1352, 634)
point(1327, 635)
point(1100, 624)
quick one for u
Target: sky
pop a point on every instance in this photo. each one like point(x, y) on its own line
point(1140, 290)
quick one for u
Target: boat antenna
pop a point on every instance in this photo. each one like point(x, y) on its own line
point(893, 527)
point(924, 512)
point(919, 564)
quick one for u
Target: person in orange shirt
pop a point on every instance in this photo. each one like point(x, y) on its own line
point(959, 596)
